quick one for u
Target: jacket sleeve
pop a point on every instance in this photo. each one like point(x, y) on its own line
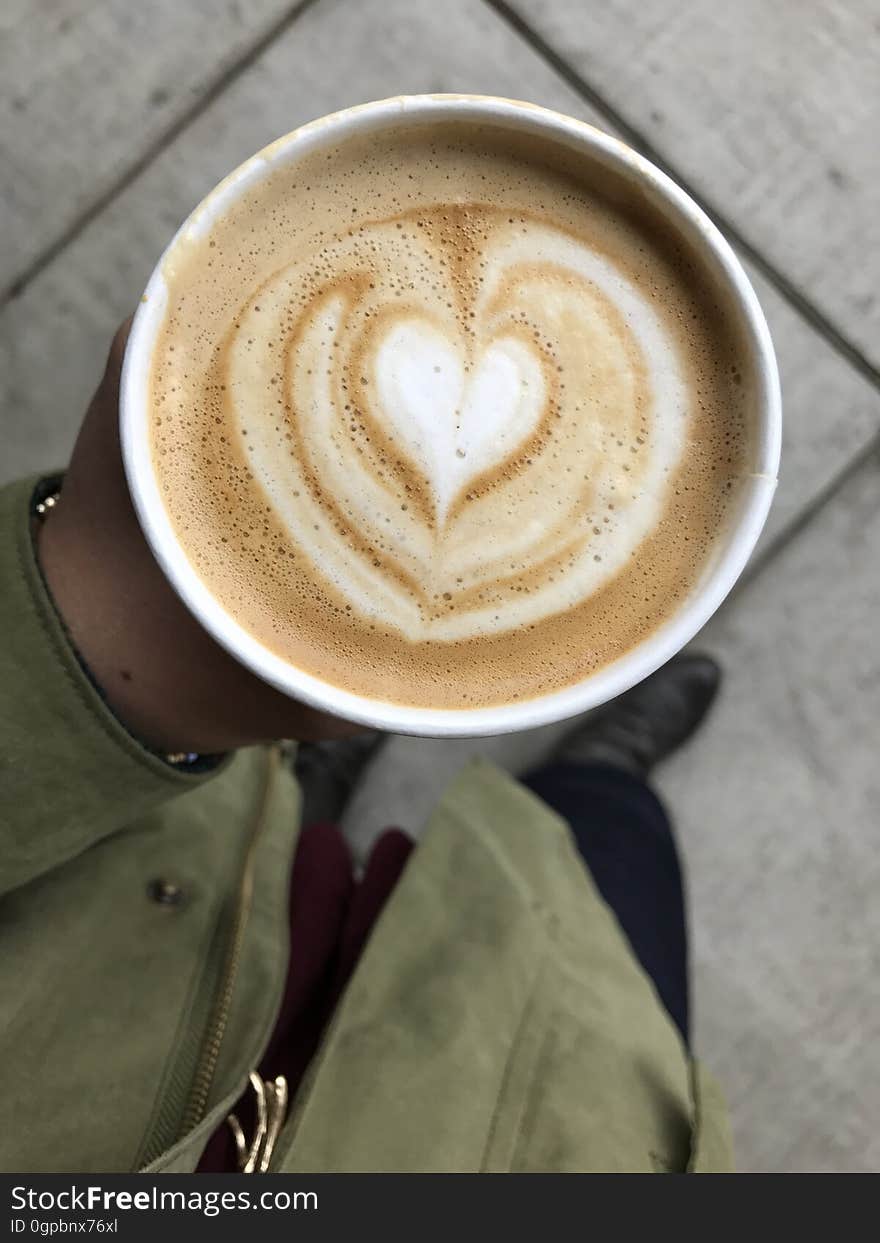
point(70, 774)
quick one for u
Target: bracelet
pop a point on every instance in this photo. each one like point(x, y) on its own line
point(42, 508)
point(46, 496)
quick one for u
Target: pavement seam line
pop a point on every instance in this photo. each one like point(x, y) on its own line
point(811, 510)
point(129, 175)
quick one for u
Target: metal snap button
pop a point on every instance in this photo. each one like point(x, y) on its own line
point(165, 892)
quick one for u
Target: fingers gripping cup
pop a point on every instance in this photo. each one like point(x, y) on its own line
point(450, 415)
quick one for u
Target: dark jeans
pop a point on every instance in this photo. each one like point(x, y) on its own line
point(626, 841)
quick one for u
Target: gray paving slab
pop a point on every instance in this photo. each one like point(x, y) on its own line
point(769, 110)
point(87, 86)
point(777, 807)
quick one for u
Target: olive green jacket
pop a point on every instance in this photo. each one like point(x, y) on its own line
point(496, 1021)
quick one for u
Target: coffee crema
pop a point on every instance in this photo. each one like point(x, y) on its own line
point(444, 417)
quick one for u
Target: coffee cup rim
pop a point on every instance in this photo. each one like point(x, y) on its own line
point(717, 578)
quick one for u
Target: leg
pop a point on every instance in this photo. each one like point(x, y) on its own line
point(597, 781)
point(625, 839)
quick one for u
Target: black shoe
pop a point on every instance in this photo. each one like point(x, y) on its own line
point(644, 725)
point(329, 771)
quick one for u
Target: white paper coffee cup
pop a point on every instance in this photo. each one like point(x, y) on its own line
point(733, 546)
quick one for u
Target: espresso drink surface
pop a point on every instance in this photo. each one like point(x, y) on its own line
point(442, 418)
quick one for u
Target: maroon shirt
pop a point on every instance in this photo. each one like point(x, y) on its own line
point(331, 917)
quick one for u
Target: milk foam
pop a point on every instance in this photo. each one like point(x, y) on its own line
point(455, 397)
point(439, 422)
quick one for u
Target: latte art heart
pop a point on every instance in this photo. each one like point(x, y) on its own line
point(440, 423)
point(469, 470)
point(455, 424)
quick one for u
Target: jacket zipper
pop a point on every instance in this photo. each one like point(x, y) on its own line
point(206, 1066)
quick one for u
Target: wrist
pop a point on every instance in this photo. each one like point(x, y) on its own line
point(159, 671)
point(89, 593)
